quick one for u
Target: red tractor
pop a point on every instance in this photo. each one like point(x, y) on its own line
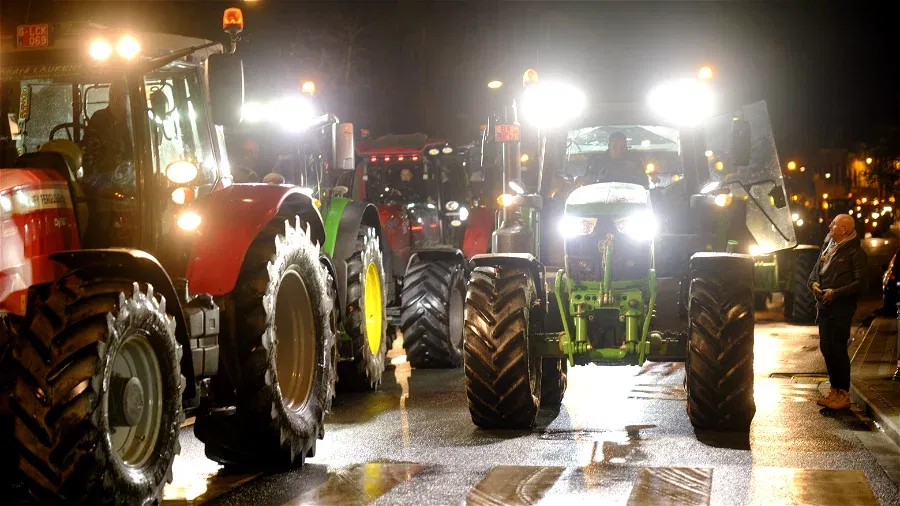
point(420, 189)
point(136, 279)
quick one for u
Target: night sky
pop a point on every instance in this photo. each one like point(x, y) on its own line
point(827, 69)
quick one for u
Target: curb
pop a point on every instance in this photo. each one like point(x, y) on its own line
point(888, 424)
point(862, 395)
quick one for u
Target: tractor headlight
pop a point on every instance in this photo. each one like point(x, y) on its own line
point(685, 101)
point(550, 105)
point(181, 172)
point(452, 205)
point(188, 220)
point(640, 226)
point(723, 199)
point(463, 214)
point(571, 226)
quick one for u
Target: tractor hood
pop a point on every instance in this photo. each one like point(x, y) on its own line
point(606, 199)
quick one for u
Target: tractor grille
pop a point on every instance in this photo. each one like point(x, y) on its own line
point(630, 259)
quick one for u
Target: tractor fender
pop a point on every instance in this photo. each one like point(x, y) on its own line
point(521, 260)
point(446, 254)
point(342, 224)
point(231, 220)
point(139, 266)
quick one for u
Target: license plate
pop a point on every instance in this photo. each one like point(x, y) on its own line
point(33, 35)
point(506, 133)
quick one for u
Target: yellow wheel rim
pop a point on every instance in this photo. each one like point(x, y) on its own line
point(373, 308)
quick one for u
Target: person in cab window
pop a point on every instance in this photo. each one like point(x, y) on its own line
point(406, 187)
point(617, 165)
point(107, 143)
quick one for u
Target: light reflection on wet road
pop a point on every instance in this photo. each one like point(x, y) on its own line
point(621, 437)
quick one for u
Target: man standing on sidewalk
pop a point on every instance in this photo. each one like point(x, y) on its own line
point(838, 281)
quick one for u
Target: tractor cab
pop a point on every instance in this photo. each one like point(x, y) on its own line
point(420, 189)
point(125, 120)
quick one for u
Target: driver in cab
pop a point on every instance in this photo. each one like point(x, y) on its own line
point(617, 165)
point(406, 186)
point(106, 143)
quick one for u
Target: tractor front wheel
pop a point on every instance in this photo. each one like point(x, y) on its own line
point(366, 317)
point(432, 304)
point(719, 368)
point(96, 394)
point(503, 380)
point(282, 325)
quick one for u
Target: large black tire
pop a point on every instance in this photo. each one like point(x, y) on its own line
point(365, 370)
point(804, 307)
point(760, 300)
point(85, 336)
point(503, 381)
point(788, 306)
point(432, 307)
point(554, 380)
point(281, 309)
point(719, 368)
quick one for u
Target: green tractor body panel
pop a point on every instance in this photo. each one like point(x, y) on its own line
point(333, 215)
point(606, 319)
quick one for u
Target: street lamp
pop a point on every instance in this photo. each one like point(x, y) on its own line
point(869, 161)
point(792, 165)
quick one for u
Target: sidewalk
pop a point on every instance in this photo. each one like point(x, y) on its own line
point(873, 362)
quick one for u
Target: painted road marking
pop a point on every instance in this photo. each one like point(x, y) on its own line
point(839, 487)
point(360, 484)
point(513, 486)
point(671, 485)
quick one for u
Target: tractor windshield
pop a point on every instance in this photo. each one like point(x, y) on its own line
point(88, 119)
point(179, 125)
point(399, 182)
point(655, 148)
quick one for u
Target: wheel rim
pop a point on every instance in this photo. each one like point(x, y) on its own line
point(373, 306)
point(456, 317)
point(295, 360)
point(135, 439)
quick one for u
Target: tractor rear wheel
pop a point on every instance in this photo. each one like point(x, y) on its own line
point(282, 326)
point(503, 380)
point(432, 306)
point(366, 316)
point(804, 307)
point(554, 380)
point(96, 394)
point(719, 367)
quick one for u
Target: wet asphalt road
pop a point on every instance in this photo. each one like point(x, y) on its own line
point(621, 437)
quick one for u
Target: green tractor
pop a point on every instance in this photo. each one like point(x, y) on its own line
point(317, 154)
point(645, 275)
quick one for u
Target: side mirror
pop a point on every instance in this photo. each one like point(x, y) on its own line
point(226, 88)
point(740, 143)
point(343, 147)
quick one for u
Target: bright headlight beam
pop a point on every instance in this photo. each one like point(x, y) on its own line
point(549, 105)
point(639, 226)
point(571, 226)
point(685, 101)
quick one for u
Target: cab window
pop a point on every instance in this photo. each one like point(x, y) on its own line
point(179, 126)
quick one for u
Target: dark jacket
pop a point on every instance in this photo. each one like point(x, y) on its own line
point(627, 169)
point(846, 274)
